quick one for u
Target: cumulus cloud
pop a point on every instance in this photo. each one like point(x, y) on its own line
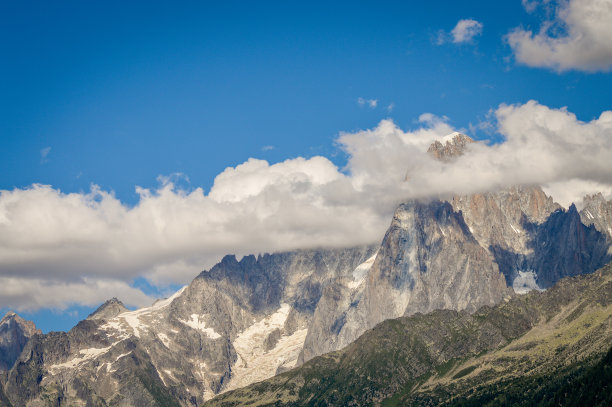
point(466, 30)
point(577, 37)
point(541, 145)
point(62, 248)
point(371, 103)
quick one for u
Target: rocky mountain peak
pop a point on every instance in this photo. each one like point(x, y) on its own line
point(109, 309)
point(454, 147)
point(15, 332)
point(597, 211)
point(11, 319)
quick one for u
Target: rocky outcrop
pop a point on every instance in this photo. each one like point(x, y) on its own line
point(597, 211)
point(534, 240)
point(428, 260)
point(109, 309)
point(526, 348)
point(471, 251)
point(15, 332)
point(563, 246)
point(454, 146)
point(240, 322)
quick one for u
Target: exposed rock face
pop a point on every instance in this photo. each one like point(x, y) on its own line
point(15, 332)
point(563, 246)
point(500, 219)
point(530, 235)
point(109, 309)
point(428, 260)
point(442, 255)
point(598, 212)
point(240, 322)
point(451, 148)
point(527, 348)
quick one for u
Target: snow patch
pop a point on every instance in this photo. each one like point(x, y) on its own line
point(588, 214)
point(165, 340)
point(361, 271)
point(441, 231)
point(132, 318)
point(449, 137)
point(84, 356)
point(518, 232)
point(198, 324)
point(525, 282)
point(254, 363)
point(122, 355)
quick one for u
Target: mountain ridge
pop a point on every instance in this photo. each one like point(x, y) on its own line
point(245, 321)
point(431, 359)
point(15, 332)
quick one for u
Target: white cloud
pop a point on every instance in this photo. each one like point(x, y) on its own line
point(371, 103)
point(530, 5)
point(574, 190)
point(267, 148)
point(31, 294)
point(66, 246)
point(466, 30)
point(578, 37)
point(44, 153)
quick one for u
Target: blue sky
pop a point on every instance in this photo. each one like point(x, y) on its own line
point(116, 94)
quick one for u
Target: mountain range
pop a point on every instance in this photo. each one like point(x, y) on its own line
point(454, 285)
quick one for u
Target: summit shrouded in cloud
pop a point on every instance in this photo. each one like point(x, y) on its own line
point(151, 143)
point(297, 203)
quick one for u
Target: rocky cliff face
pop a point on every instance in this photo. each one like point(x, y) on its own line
point(240, 322)
point(534, 241)
point(15, 332)
point(428, 260)
point(598, 212)
point(109, 309)
point(454, 146)
point(526, 348)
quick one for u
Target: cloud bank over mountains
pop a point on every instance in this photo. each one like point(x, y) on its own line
point(72, 248)
point(576, 38)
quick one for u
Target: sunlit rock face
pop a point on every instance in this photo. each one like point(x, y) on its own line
point(15, 332)
point(428, 260)
point(453, 146)
point(240, 322)
point(597, 211)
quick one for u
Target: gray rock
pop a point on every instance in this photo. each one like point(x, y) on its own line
point(15, 332)
point(453, 148)
point(109, 309)
point(597, 211)
point(428, 260)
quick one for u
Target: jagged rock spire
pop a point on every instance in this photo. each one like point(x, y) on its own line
point(454, 147)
